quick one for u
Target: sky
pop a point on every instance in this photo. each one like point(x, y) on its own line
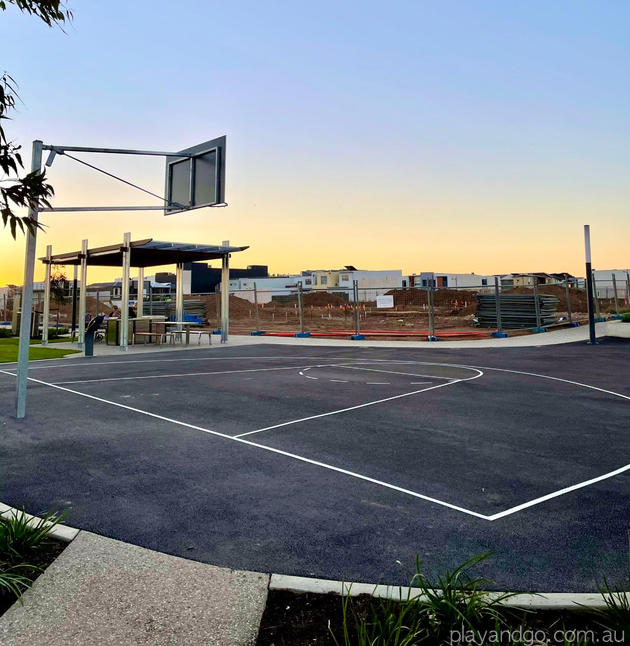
point(451, 135)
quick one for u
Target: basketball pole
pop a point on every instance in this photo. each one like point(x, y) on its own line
point(589, 284)
point(27, 294)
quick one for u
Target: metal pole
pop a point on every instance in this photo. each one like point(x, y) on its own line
point(537, 305)
point(568, 293)
point(150, 298)
point(179, 293)
point(432, 336)
point(589, 284)
point(225, 295)
point(256, 306)
point(124, 314)
point(74, 303)
point(614, 282)
point(27, 295)
point(301, 307)
point(497, 300)
point(47, 295)
point(83, 294)
point(357, 323)
point(217, 308)
point(595, 296)
point(140, 299)
point(627, 287)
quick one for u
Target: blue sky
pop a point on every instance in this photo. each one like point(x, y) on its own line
point(447, 136)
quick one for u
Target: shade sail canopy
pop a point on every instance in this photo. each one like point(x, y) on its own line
point(146, 253)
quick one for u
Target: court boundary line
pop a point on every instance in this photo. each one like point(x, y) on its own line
point(493, 517)
point(264, 447)
point(181, 374)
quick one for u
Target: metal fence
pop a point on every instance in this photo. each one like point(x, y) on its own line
point(403, 312)
point(412, 312)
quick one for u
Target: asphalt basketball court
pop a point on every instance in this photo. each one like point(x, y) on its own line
point(341, 463)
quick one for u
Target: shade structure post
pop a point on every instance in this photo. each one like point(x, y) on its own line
point(27, 294)
point(47, 295)
point(83, 294)
point(225, 295)
point(179, 293)
point(75, 285)
point(140, 300)
point(124, 314)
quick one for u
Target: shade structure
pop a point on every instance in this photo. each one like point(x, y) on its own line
point(146, 253)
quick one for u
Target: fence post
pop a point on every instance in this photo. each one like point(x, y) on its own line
point(627, 287)
point(589, 284)
point(539, 327)
point(257, 312)
point(300, 295)
point(568, 293)
point(432, 336)
point(614, 282)
point(596, 298)
point(499, 334)
point(357, 336)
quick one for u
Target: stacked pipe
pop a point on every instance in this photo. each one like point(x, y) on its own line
point(517, 310)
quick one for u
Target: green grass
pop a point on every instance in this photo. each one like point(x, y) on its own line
point(9, 351)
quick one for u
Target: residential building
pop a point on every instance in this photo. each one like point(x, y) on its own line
point(448, 280)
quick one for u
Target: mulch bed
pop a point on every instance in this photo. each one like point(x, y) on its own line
point(42, 559)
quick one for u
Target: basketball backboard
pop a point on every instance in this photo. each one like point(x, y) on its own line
point(198, 179)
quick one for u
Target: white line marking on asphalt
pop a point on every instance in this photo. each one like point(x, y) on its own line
point(377, 383)
point(345, 410)
point(493, 517)
point(339, 381)
point(263, 447)
point(391, 372)
point(179, 374)
point(419, 383)
point(309, 377)
point(560, 492)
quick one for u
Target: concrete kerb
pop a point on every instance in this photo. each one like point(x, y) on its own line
point(299, 584)
point(59, 532)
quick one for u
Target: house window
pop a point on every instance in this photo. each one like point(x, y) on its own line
point(324, 280)
point(345, 277)
point(484, 281)
point(307, 281)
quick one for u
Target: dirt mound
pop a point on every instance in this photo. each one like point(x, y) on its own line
point(577, 296)
point(322, 299)
point(458, 301)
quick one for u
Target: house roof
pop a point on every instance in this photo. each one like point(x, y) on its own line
point(146, 253)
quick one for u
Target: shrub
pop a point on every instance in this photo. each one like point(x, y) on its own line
point(5, 333)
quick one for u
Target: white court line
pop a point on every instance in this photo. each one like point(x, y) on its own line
point(294, 456)
point(179, 374)
point(493, 517)
point(560, 492)
point(339, 381)
point(78, 363)
point(391, 372)
point(377, 383)
point(345, 410)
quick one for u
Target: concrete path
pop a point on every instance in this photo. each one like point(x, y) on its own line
point(101, 591)
point(554, 337)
